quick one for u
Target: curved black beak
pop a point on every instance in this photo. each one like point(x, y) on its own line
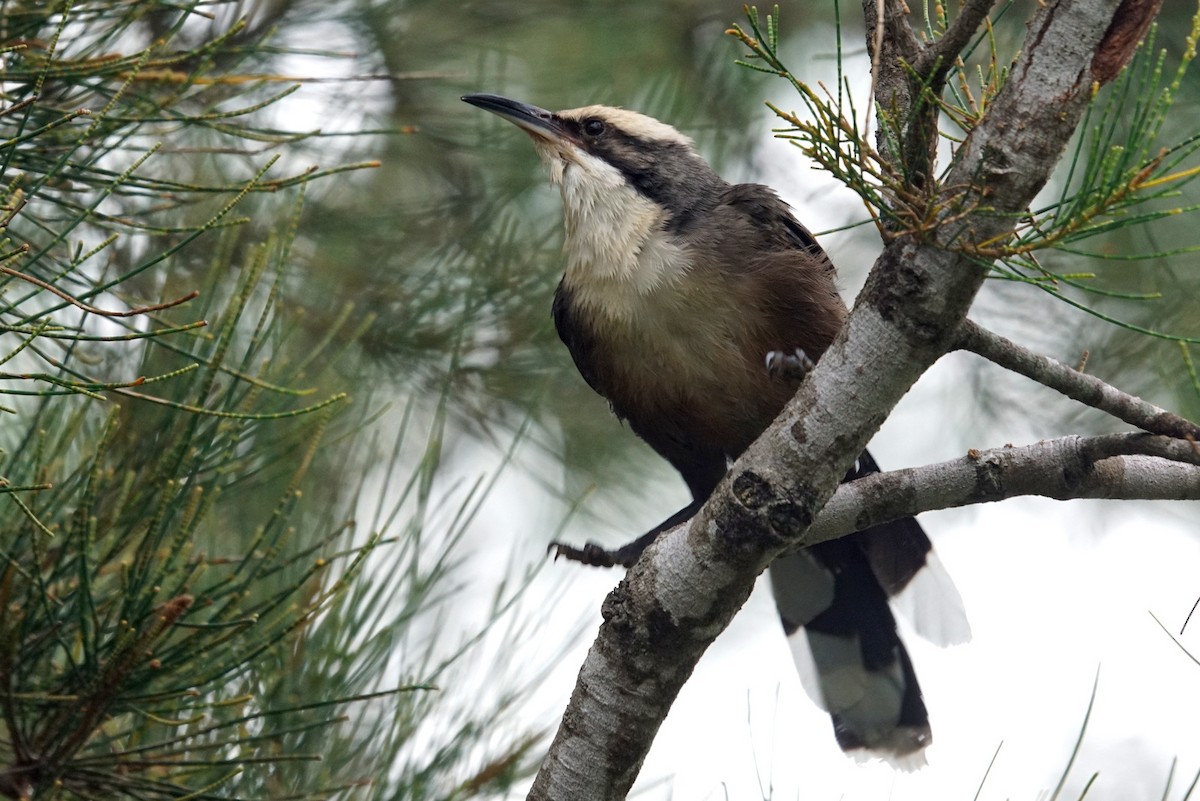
point(533, 120)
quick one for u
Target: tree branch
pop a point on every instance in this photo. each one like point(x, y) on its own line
point(905, 117)
point(941, 53)
point(1114, 466)
point(1078, 386)
point(890, 46)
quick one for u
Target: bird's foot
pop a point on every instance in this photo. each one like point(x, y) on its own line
point(789, 366)
point(598, 556)
point(593, 554)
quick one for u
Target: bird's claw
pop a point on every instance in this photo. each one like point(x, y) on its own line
point(793, 366)
point(590, 554)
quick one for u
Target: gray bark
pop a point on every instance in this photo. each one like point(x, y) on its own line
point(1116, 466)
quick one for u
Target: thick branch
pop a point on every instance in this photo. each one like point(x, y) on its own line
point(890, 46)
point(1116, 466)
point(903, 111)
point(1075, 385)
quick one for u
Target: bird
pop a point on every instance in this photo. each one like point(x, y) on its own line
point(695, 307)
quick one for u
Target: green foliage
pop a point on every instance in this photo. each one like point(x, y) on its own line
point(1117, 172)
point(128, 622)
point(187, 607)
point(832, 137)
point(1121, 174)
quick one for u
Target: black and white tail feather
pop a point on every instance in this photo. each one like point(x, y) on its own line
point(833, 601)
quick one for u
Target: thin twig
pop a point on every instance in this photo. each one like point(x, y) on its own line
point(195, 293)
point(1078, 386)
point(877, 35)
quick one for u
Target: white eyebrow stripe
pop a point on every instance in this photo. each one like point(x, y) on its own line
point(631, 122)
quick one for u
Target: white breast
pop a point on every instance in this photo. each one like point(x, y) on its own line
point(618, 256)
point(671, 333)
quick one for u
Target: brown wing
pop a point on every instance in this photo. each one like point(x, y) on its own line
point(780, 270)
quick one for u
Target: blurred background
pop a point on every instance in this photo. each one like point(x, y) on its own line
point(477, 443)
point(454, 243)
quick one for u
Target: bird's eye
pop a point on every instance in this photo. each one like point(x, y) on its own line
point(593, 127)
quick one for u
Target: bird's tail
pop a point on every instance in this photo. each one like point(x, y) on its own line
point(833, 602)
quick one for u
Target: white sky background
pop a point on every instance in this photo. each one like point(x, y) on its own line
point(1053, 591)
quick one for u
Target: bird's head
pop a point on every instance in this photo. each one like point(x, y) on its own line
point(602, 148)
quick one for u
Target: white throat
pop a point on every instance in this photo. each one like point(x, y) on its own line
point(618, 255)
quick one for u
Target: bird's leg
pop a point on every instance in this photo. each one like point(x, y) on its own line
point(593, 553)
point(789, 366)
